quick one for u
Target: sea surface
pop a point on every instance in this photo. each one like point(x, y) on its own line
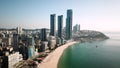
point(104, 54)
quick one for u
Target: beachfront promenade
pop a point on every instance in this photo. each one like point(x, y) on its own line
point(52, 59)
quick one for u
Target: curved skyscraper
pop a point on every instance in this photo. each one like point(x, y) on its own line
point(69, 24)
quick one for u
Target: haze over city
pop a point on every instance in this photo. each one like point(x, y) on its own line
point(102, 15)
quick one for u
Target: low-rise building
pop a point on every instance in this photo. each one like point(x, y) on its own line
point(10, 60)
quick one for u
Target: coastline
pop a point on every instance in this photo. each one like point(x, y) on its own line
point(52, 59)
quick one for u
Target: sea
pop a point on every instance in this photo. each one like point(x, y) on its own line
point(98, 54)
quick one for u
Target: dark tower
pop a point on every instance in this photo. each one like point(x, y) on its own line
point(43, 35)
point(69, 24)
point(52, 24)
point(15, 42)
point(60, 25)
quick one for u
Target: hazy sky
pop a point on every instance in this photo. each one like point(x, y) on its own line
point(91, 14)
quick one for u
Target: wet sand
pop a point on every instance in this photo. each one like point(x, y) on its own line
point(52, 59)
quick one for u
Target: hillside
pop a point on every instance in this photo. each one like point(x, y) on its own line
point(89, 36)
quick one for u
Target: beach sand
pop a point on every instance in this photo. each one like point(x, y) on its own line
point(52, 59)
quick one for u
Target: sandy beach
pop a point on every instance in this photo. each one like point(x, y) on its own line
point(52, 59)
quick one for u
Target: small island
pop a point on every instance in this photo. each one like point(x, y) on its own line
point(89, 36)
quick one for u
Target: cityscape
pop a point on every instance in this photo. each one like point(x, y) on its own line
point(59, 34)
point(20, 44)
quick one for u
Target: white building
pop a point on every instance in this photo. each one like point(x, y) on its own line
point(19, 30)
point(12, 59)
point(52, 42)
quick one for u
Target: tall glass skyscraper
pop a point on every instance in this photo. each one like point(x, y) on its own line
point(52, 24)
point(43, 34)
point(69, 24)
point(60, 25)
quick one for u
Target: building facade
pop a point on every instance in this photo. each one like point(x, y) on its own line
point(69, 24)
point(10, 60)
point(19, 30)
point(60, 25)
point(15, 42)
point(43, 35)
point(52, 24)
point(76, 28)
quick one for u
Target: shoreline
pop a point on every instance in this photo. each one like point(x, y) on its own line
point(51, 61)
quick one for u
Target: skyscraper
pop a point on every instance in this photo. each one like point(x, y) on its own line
point(60, 24)
point(15, 42)
point(44, 40)
point(69, 24)
point(43, 35)
point(76, 28)
point(52, 24)
point(19, 30)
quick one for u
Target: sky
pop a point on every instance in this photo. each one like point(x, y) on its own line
point(102, 15)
